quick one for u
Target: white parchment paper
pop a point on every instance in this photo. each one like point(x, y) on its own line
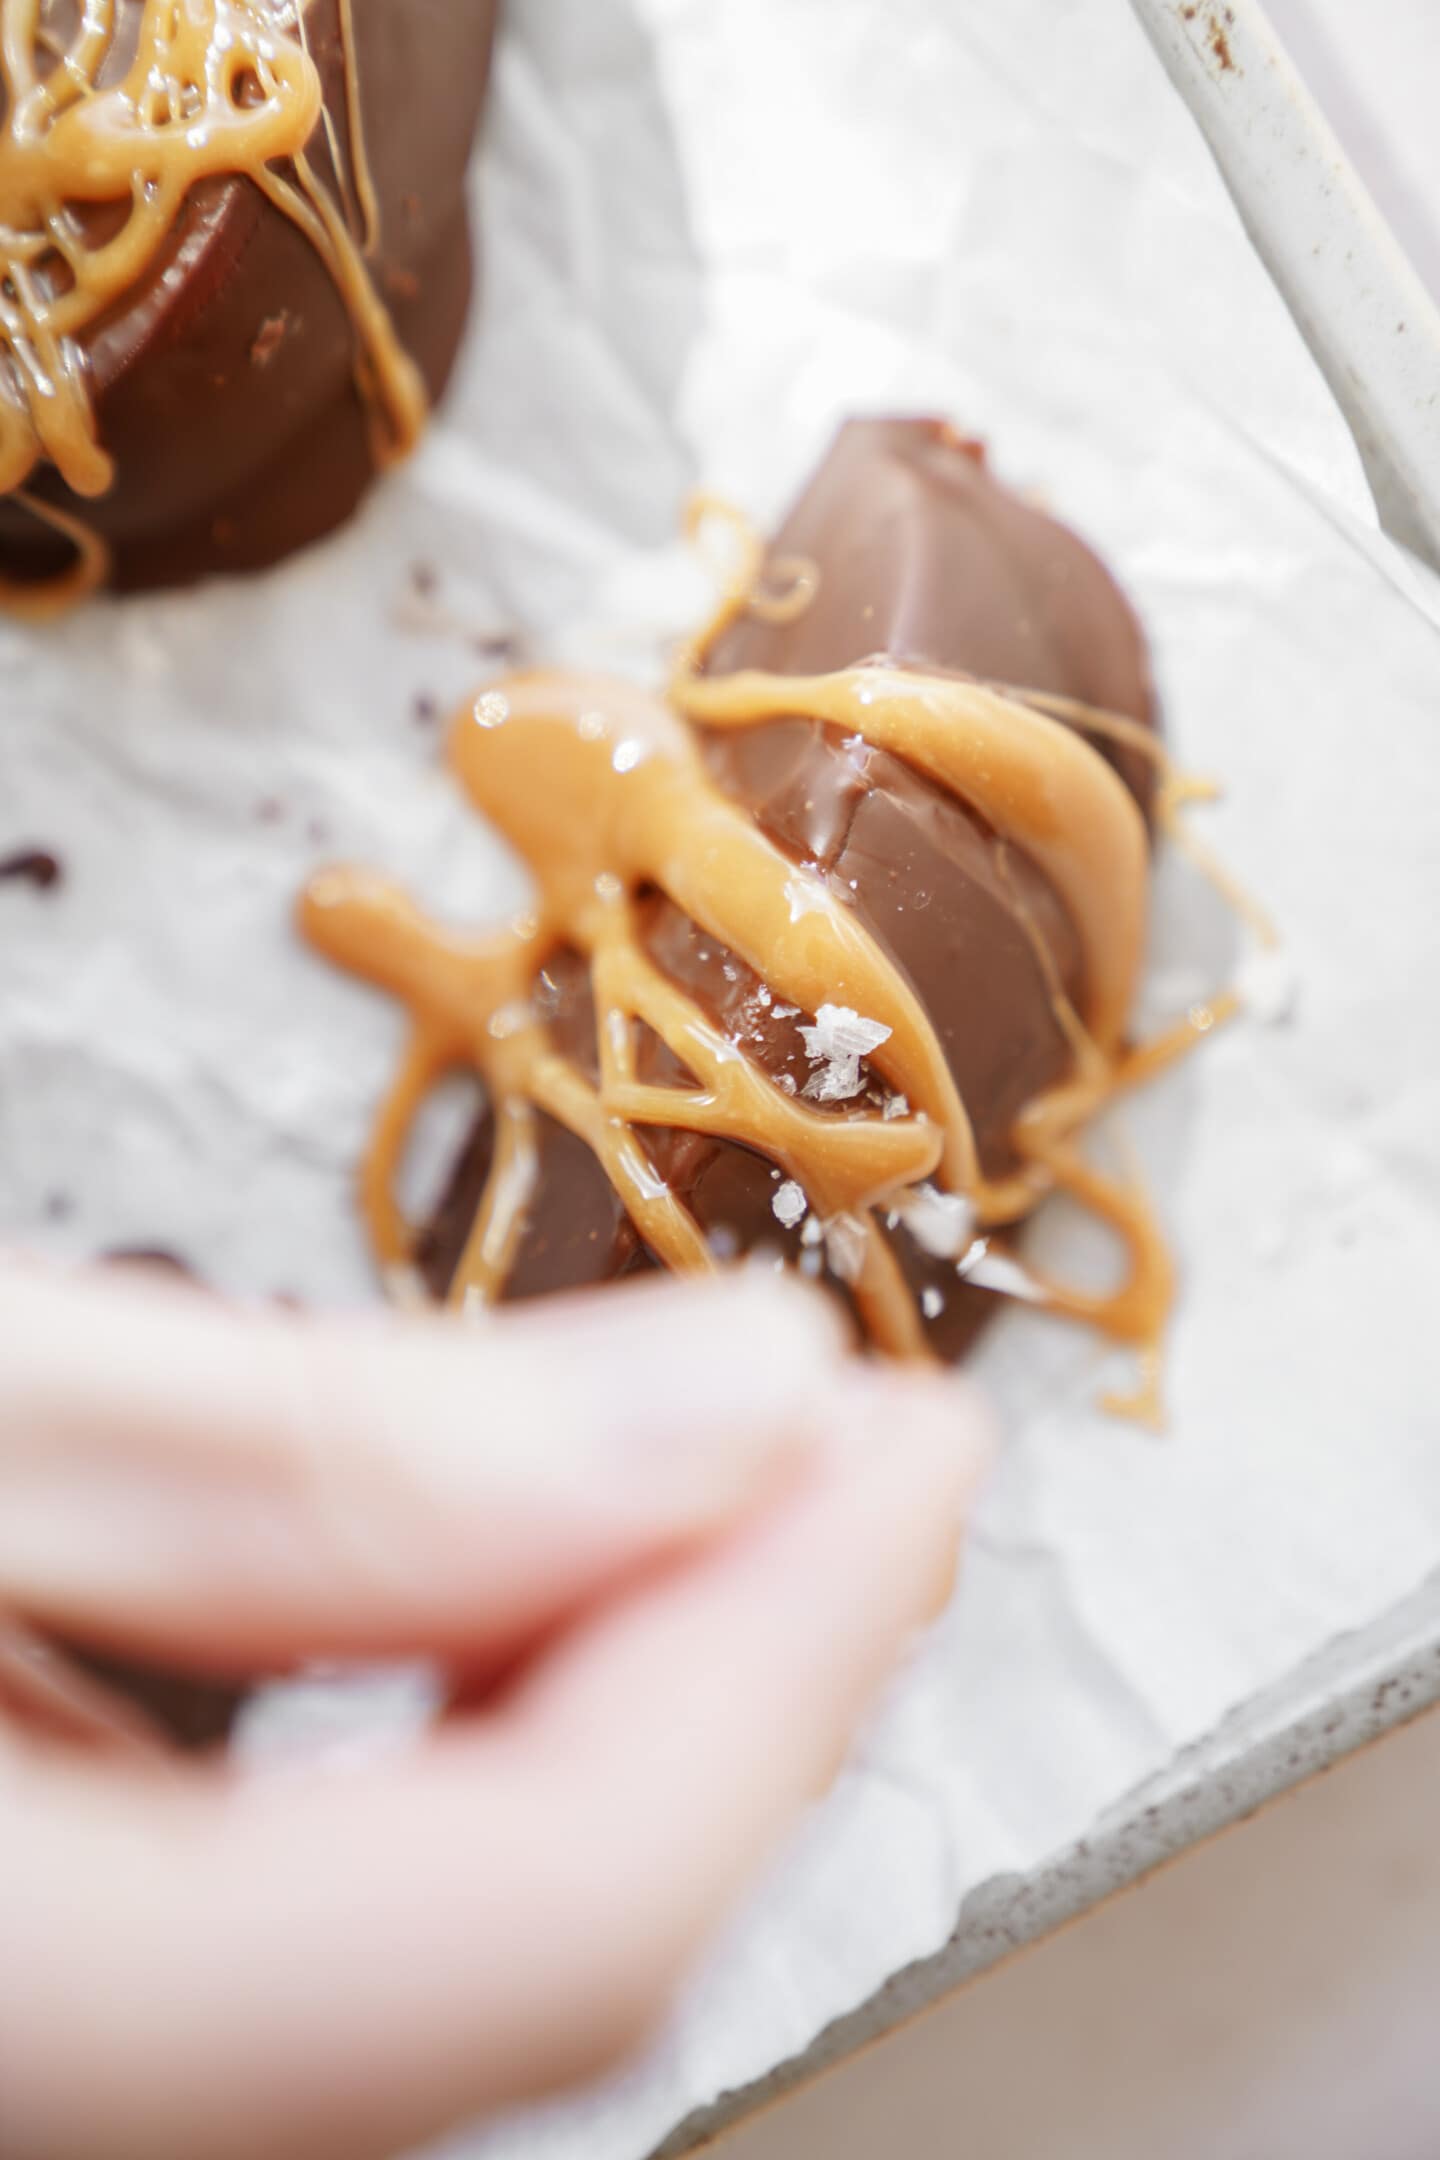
point(709, 233)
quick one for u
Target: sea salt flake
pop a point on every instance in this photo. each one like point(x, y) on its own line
point(845, 1240)
point(1268, 986)
point(837, 1042)
point(896, 1106)
point(789, 1203)
point(991, 1270)
point(941, 1223)
point(932, 1302)
point(492, 709)
point(807, 895)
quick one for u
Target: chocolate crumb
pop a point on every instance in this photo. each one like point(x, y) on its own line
point(424, 579)
point(425, 710)
point(503, 646)
point(59, 1206)
point(269, 810)
point(32, 866)
point(317, 832)
point(157, 1258)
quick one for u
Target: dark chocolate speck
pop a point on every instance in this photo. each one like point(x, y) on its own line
point(32, 866)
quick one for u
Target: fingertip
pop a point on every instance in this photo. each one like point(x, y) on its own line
point(934, 1430)
point(906, 1455)
point(750, 1313)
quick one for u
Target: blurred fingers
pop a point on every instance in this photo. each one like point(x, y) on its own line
point(347, 1964)
point(235, 1490)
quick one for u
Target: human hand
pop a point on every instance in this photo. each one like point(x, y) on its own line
point(690, 1535)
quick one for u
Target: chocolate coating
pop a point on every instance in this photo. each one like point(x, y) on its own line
point(223, 385)
point(925, 558)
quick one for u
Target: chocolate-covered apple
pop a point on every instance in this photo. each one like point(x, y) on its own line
point(234, 266)
point(833, 946)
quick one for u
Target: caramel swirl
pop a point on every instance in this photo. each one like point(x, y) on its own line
point(601, 788)
point(215, 88)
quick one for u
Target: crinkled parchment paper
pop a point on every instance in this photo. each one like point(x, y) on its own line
point(709, 232)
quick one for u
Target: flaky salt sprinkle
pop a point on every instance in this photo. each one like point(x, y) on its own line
point(492, 709)
point(941, 1223)
point(837, 1042)
point(789, 1203)
point(895, 1106)
point(845, 1241)
point(932, 1302)
point(991, 1270)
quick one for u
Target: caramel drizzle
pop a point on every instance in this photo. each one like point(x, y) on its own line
point(216, 87)
point(1176, 792)
point(601, 789)
point(626, 803)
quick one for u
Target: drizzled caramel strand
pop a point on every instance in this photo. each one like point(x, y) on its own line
point(216, 88)
point(601, 788)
